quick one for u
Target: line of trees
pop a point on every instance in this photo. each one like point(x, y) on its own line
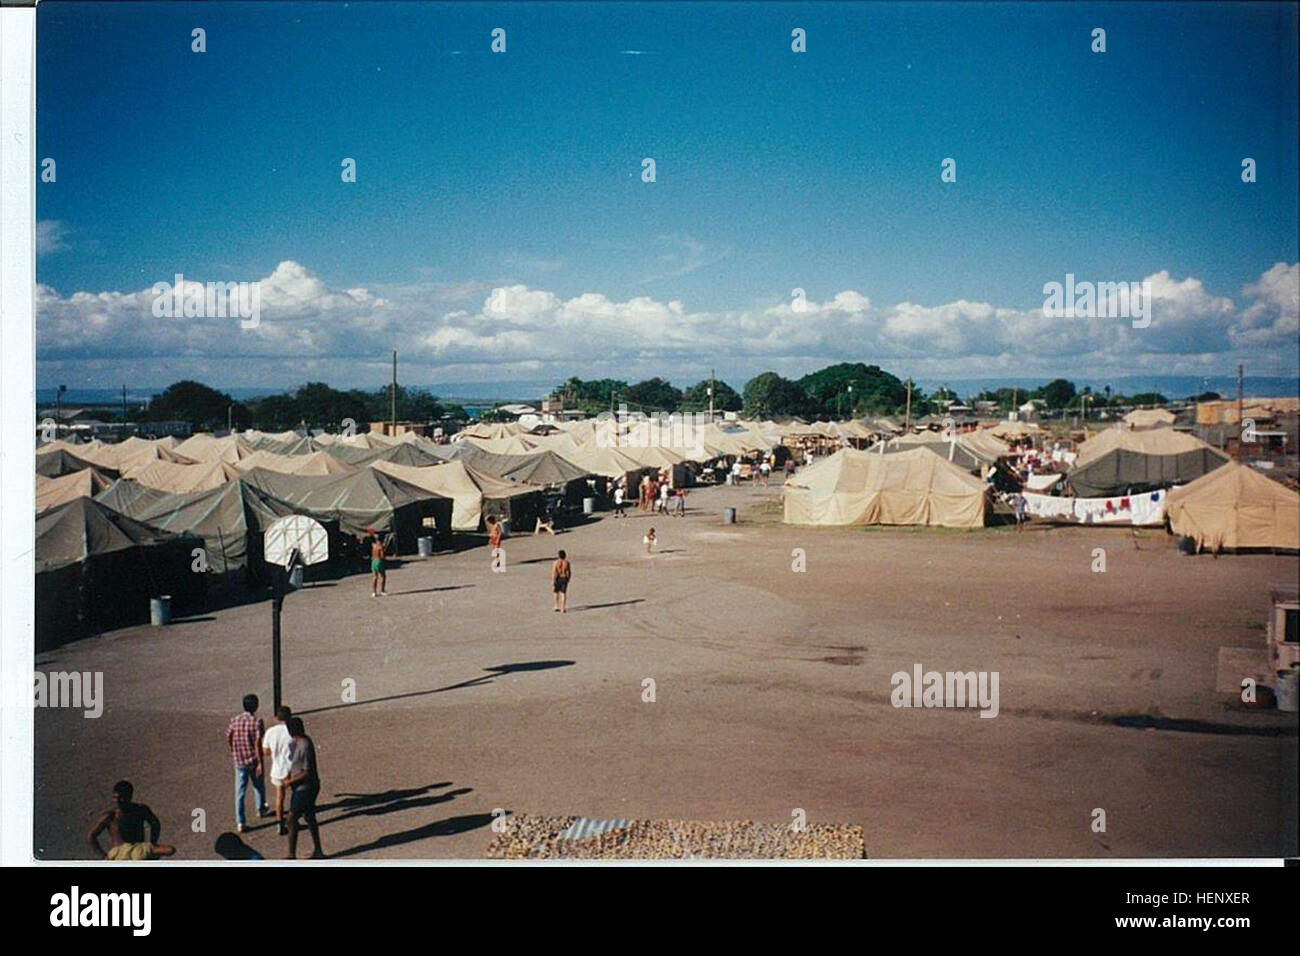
point(314, 405)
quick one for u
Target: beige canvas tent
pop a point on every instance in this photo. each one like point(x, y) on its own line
point(1149, 418)
point(914, 487)
point(182, 479)
point(52, 492)
point(1236, 507)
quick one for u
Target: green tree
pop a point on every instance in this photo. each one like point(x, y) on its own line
point(768, 395)
point(1058, 393)
point(203, 407)
point(874, 390)
point(654, 394)
point(725, 398)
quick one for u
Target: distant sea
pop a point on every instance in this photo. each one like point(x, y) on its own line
point(478, 395)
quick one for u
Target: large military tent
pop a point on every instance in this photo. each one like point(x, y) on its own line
point(96, 569)
point(52, 492)
point(477, 495)
point(1235, 507)
point(1122, 461)
point(366, 499)
point(914, 487)
point(130, 497)
point(231, 519)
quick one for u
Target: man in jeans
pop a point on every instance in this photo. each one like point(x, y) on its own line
point(244, 737)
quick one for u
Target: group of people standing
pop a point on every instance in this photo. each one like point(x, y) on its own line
point(654, 494)
point(288, 756)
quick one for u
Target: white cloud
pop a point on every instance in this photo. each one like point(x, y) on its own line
point(344, 335)
point(51, 236)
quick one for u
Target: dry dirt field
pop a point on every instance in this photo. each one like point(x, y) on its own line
point(772, 693)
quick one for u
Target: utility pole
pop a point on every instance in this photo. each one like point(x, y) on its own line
point(1240, 392)
point(713, 384)
point(907, 421)
point(392, 401)
point(124, 406)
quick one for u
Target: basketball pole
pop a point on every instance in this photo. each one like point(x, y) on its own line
point(279, 582)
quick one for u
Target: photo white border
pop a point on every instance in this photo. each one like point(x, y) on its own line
point(17, 409)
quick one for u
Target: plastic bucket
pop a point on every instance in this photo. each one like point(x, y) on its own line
point(588, 505)
point(425, 544)
point(1287, 690)
point(160, 610)
point(728, 515)
point(295, 576)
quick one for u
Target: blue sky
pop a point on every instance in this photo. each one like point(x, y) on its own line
point(521, 173)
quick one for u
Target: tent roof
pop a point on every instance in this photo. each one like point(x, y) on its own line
point(180, 479)
point(130, 497)
point(52, 492)
point(52, 464)
point(1236, 507)
point(1154, 441)
point(83, 528)
point(1150, 417)
point(313, 463)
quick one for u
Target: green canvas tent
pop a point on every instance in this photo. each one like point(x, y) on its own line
point(96, 569)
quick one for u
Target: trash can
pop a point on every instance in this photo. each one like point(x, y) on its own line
point(588, 505)
point(1286, 690)
point(160, 610)
point(425, 544)
point(295, 577)
point(728, 515)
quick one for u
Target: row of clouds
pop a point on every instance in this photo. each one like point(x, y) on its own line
point(309, 329)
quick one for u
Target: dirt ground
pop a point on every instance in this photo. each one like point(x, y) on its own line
point(772, 693)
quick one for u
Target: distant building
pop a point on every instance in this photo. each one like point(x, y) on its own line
point(394, 429)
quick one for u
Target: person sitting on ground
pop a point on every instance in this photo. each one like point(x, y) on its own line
point(125, 821)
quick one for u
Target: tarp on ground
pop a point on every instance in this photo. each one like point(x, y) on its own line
point(97, 569)
point(477, 495)
point(914, 487)
point(1120, 460)
point(396, 509)
point(231, 520)
point(182, 479)
point(1236, 507)
point(52, 492)
point(59, 462)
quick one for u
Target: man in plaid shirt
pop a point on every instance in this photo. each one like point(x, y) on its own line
point(244, 738)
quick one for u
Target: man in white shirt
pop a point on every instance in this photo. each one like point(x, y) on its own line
point(277, 744)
